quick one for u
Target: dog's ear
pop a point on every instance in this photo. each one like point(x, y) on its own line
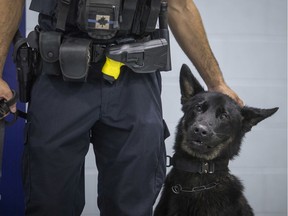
point(252, 116)
point(189, 85)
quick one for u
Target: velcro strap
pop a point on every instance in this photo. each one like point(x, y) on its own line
point(152, 15)
point(146, 17)
point(129, 9)
point(97, 52)
point(136, 27)
point(63, 10)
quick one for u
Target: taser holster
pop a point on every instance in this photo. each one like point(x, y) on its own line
point(146, 57)
point(143, 57)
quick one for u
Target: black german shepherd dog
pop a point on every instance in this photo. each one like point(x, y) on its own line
point(208, 135)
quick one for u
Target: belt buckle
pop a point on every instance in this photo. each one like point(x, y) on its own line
point(207, 168)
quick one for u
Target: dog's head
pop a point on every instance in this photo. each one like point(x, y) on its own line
point(213, 124)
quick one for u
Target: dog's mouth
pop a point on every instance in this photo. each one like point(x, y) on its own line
point(202, 144)
point(198, 143)
point(206, 145)
point(205, 148)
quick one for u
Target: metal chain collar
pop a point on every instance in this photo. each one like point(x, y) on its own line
point(177, 189)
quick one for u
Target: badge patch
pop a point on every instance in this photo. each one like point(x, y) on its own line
point(102, 22)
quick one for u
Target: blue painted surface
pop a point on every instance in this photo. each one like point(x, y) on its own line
point(12, 201)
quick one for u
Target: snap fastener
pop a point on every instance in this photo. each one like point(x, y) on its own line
point(50, 54)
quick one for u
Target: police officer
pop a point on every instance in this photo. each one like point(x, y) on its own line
point(123, 120)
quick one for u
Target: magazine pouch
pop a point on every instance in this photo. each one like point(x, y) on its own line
point(49, 44)
point(99, 18)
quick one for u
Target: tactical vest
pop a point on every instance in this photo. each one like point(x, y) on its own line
point(105, 19)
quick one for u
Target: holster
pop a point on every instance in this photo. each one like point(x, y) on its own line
point(26, 58)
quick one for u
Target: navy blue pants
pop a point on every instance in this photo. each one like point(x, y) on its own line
point(124, 122)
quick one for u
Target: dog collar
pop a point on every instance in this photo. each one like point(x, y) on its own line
point(195, 166)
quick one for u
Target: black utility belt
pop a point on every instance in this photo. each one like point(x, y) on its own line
point(74, 56)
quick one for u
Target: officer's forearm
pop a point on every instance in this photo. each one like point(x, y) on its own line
point(10, 15)
point(186, 25)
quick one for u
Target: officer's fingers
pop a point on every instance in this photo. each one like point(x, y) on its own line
point(7, 94)
point(10, 96)
point(13, 108)
point(238, 100)
point(228, 91)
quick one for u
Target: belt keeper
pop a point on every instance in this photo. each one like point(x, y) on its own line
point(97, 52)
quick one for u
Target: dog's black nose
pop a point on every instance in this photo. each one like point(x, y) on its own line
point(200, 130)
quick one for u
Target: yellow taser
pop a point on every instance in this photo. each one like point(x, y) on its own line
point(111, 69)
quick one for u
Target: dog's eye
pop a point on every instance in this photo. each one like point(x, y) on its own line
point(198, 108)
point(223, 116)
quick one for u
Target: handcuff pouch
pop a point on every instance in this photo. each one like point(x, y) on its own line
point(74, 57)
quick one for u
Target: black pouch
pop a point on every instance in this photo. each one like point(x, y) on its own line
point(49, 44)
point(99, 18)
point(74, 57)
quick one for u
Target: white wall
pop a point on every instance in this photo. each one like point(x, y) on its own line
point(249, 40)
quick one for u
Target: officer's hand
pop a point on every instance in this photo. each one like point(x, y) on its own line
point(228, 91)
point(6, 93)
